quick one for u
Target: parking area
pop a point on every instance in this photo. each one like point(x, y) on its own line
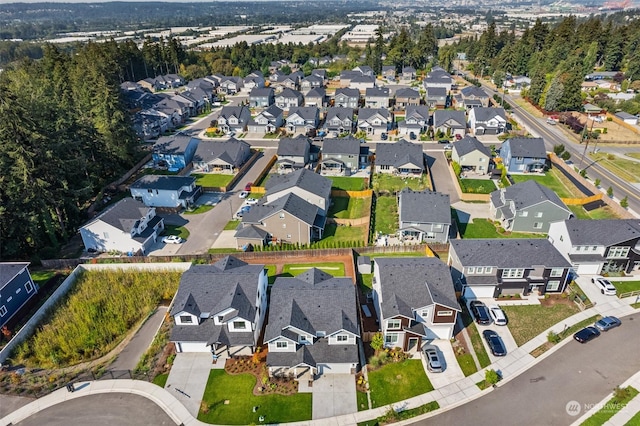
point(502, 331)
point(452, 371)
point(333, 395)
point(188, 378)
point(591, 290)
point(162, 249)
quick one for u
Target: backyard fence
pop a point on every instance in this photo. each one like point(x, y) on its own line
point(582, 201)
point(629, 294)
point(351, 194)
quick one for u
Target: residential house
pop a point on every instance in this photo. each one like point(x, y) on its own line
point(474, 96)
point(345, 97)
point(339, 120)
point(524, 155)
point(149, 84)
point(407, 97)
point(220, 308)
point(517, 82)
point(389, 72)
point(487, 268)
point(347, 76)
point(16, 289)
point(487, 121)
point(221, 156)
point(230, 85)
point(343, 156)
point(374, 121)
point(289, 98)
point(424, 216)
point(268, 120)
point(303, 119)
point(234, 118)
point(291, 81)
point(627, 118)
point(311, 82)
point(293, 154)
point(472, 155)
point(322, 73)
point(252, 81)
point(174, 152)
point(402, 157)
point(261, 97)
point(438, 78)
point(316, 97)
point(150, 124)
point(313, 326)
point(416, 120)
point(601, 75)
point(365, 70)
point(598, 246)
point(527, 207)
point(408, 74)
point(452, 123)
point(176, 110)
point(126, 227)
point(376, 97)
point(436, 98)
point(166, 191)
point(415, 300)
point(362, 83)
point(308, 185)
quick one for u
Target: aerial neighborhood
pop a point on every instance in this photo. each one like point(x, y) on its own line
point(344, 235)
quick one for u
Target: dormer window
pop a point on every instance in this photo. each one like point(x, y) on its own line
point(186, 319)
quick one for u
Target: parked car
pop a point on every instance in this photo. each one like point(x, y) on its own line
point(248, 186)
point(551, 121)
point(243, 210)
point(244, 194)
point(434, 363)
point(172, 239)
point(383, 136)
point(443, 141)
point(480, 312)
point(252, 201)
point(448, 147)
point(607, 323)
point(586, 334)
point(604, 285)
point(412, 136)
point(497, 314)
point(495, 343)
point(458, 137)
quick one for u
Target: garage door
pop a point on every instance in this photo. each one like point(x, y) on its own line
point(587, 268)
point(193, 347)
point(334, 368)
point(478, 292)
point(440, 332)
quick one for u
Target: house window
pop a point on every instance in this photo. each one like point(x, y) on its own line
point(391, 338)
point(393, 324)
point(538, 214)
point(523, 213)
point(105, 235)
point(512, 273)
point(445, 313)
point(537, 225)
point(341, 338)
point(186, 319)
point(618, 252)
point(18, 290)
point(424, 313)
point(9, 299)
point(488, 269)
point(519, 159)
point(594, 248)
point(239, 325)
point(471, 270)
point(150, 191)
point(281, 215)
point(553, 285)
point(302, 339)
point(3, 311)
point(281, 345)
point(29, 287)
point(556, 272)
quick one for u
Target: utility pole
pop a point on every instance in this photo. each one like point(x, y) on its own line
point(586, 144)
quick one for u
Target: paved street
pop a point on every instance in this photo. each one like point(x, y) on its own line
point(583, 373)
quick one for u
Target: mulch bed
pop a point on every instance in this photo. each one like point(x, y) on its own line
point(257, 366)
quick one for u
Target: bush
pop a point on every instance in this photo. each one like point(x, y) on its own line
point(491, 377)
point(553, 337)
point(624, 203)
point(456, 168)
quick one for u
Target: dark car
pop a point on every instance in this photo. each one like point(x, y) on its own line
point(607, 323)
point(443, 141)
point(412, 136)
point(384, 136)
point(586, 334)
point(480, 312)
point(495, 343)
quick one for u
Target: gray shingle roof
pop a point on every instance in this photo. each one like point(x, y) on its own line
point(259, 92)
point(424, 207)
point(289, 203)
point(232, 151)
point(251, 232)
point(173, 144)
point(414, 282)
point(341, 113)
point(436, 92)
point(399, 153)
point(457, 119)
point(469, 144)
point(208, 332)
point(290, 94)
point(473, 91)
point(347, 146)
point(605, 232)
point(316, 92)
point(8, 270)
point(346, 91)
point(419, 111)
point(483, 114)
point(125, 214)
point(305, 179)
point(298, 146)
point(377, 92)
point(171, 183)
point(508, 253)
point(366, 113)
point(407, 92)
point(527, 147)
point(231, 111)
point(318, 353)
point(307, 113)
point(528, 193)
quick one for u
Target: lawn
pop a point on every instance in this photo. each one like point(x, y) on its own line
point(238, 391)
point(526, 322)
point(181, 231)
point(363, 402)
point(347, 183)
point(600, 213)
point(335, 235)
point(554, 180)
point(483, 228)
point(398, 381)
point(477, 186)
point(626, 286)
point(386, 215)
point(41, 277)
point(231, 225)
point(634, 421)
point(334, 268)
point(349, 208)
point(161, 379)
point(628, 170)
point(612, 407)
point(200, 209)
point(467, 364)
point(212, 180)
point(393, 184)
point(367, 281)
point(478, 347)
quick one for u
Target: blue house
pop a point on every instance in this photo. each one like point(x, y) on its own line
point(16, 288)
point(524, 155)
point(174, 152)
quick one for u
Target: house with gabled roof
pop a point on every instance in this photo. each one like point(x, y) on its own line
point(220, 308)
point(424, 216)
point(313, 326)
point(524, 155)
point(449, 122)
point(16, 289)
point(306, 184)
point(406, 96)
point(488, 268)
point(126, 227)
point(365, 70)
point(389, 72)
point(487, 121)
point(311, 82)
point(346, 77)
point(408, 74)
point(527, 207)
point(166, 191)
point(174, 152)
point(362, 83)
point(438, 78)
point(234, 118)
point(472, 155)
point(598, 246)
point(415, 300)
point(230, 85)
point(221, 156)
point(402, 157)
point(289, 98)
point(376, 97)
point(261, 97)
point(269, 120)
point(343, 156)
point(374, 121)
point(436, 97)
point(345, 97)
point(339, 120)
point(253, 80)
point(293, 154)
point(416, 120)
point(316, 97)
point(302, 119)
point(474, 96)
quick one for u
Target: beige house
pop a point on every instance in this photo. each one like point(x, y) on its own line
point(472, 155)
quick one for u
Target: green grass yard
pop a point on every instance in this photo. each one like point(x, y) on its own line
point(238, 390)
point(334, 268)
point(161, 379)
point(212, 179)
point(181, 231)
point(349, 208)
point(600, 213)
point(390, 183)
point(386, 215)
point(613, 406)
point(628, 170)
point(626, 286)
point(483, 228)
point(398, 381)
point(200, 209)
point(271, 273)
point(41, 277)
point(347, 183)
point(467, 364)
point(363, 402)
point(477, 186)
point(335, 235)
point(526, 322)
point(554, 180)
point(231, 225)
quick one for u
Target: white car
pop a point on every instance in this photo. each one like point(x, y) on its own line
point(604, 285)
point(251, 201)
point(172, 239)
point(497, 314)
point(551, 121)
point(244, 194)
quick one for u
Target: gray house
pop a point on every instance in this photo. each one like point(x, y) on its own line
point(389, 72)
point(527, 207)
point(472, 155)
point(402, 157)
point(293, 153)
point(374, 121)
point(345, 97)
point(474, 96)
point(16, 288)
point(311, 82)
point(289, 98)
point(316, 97)
point(438, 78)
point(342, 157)
point(416, 120)
point(313, 326)
point(487, 121)
point(302, 119)
point(261, 97)
point(376, 97)
point(234, 118)
point(221, 156)
point(424, 216)
point(524, 155)
point(449, 122)
point(268, 120)
point(166, 191)
point(339, 120)
point(436, 97)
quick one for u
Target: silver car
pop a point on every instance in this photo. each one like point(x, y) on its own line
point(432, 356)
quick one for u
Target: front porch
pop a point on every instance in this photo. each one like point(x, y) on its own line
point(331, 167)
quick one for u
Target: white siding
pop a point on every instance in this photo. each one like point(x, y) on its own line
point(158, 198)
point(478, 292)
point(104, 237)
point(440, 331)
point(333, 340)
point(178, 321)
point(239, 325)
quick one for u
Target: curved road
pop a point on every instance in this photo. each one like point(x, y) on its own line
point(583, 373)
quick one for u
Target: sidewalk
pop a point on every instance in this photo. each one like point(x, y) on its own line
point(625, 414)
point(448, 397)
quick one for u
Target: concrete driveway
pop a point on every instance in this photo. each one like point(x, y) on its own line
point(503, 332)
point(592, 291)
point(188, 378)
point(333, 395)
point(442, 180)
point(469, 211)
point(452, 371)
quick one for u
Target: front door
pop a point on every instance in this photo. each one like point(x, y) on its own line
point(413, 344)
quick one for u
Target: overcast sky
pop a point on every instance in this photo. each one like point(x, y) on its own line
point(103, 1)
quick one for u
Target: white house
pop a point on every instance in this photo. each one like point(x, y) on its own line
point(165, 191)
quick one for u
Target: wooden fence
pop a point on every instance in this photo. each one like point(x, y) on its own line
point(627, 126)
point(263, 174)
point(351, 194)
point(582, 201)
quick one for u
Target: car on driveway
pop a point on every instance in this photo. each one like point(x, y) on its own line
point(495, 343)
point(172, 239)
point(252, 201)
point(586, 334)
point(607, 323)
point(497, 315)
point(480, 312)
point(604, 285)
point(448, 147)
point(243, 210)
point(244, 194)
point(434, 363)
